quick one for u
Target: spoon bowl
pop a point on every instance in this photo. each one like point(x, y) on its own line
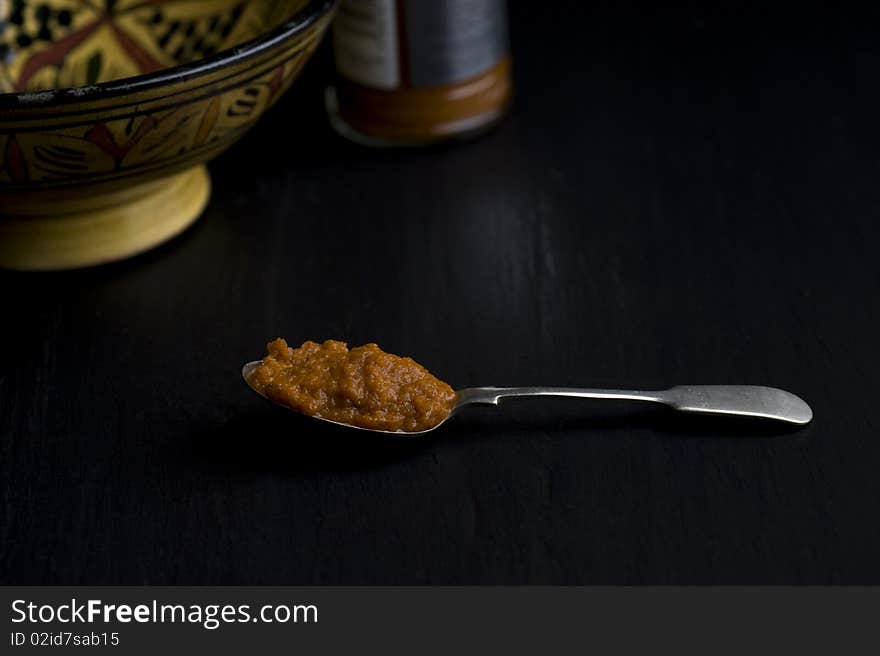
point(249, 367)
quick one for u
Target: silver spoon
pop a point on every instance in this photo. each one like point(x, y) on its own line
point(740, 400)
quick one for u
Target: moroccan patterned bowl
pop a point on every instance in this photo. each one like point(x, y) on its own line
point(110, 108)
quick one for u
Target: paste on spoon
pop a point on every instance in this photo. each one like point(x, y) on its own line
point(364, 386)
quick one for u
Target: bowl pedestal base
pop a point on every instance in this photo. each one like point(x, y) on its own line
point(57, 233)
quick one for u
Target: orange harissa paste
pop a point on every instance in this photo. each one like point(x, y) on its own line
point(363, 386)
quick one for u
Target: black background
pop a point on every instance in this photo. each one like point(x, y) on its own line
point(683, 195)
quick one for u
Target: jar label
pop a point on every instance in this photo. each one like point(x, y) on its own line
point(365, 42)
point(389, 44)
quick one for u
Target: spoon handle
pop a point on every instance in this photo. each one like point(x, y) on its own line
point(741, 400)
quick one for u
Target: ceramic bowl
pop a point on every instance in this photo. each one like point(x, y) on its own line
point(109, 110)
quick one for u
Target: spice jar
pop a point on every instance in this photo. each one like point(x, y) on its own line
point(415, 72)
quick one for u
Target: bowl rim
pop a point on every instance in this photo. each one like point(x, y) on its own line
point(301, 21)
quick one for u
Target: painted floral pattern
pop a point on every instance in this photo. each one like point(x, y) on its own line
point(103, 149)
point(48, 44)
point(105, 139)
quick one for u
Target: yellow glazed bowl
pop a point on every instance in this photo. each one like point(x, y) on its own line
point(110, 108)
